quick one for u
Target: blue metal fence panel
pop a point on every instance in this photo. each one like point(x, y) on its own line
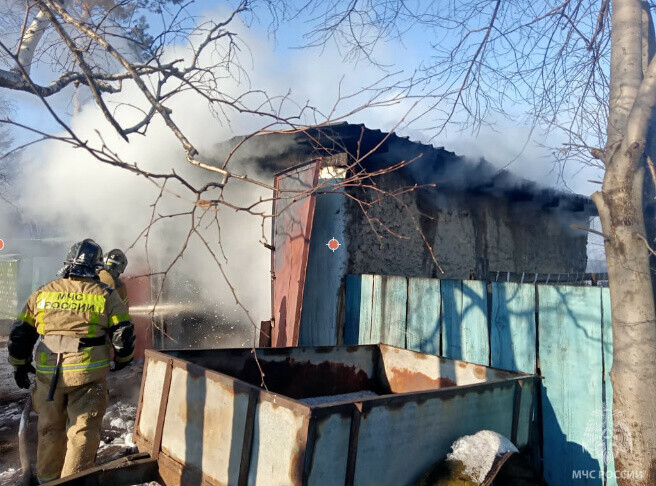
point(451, 317)
point(357, 327)
point(394, 300)
point(570, 354)
point(512, 327)
point(424, 304)
point(475, 331)
point(375, 334)
point(464, 321)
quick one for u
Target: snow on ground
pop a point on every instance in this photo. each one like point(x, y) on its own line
point(116, 434)
point(477, 452)
point(12, 400)
point(9, 476)
point(118, 424)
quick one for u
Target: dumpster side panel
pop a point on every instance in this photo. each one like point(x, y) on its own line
point(328, 466)
point(204, 426)
point(294, 372)
point(154, 373)
point(527, 412)
point(278, 450)
point(409, 371)
point(397, 444)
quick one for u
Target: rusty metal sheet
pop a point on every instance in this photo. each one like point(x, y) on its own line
point(396, 444)
point(153, 383)
point(218, 429)
point(411, 371)
point(143, 444)
point(139, 293)
point(295, 372)
point(204, 426)
point(173, 473)
point(292, 227)
point(279, 439)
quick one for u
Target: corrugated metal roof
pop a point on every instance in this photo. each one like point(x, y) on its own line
point(451, 173)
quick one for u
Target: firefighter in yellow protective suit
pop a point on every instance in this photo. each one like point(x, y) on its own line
point(74, 319)
point(115, 262)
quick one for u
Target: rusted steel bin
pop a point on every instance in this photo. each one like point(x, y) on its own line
point(329, 415)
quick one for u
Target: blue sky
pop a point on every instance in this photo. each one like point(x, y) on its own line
point(278, 65)
point(56, 180)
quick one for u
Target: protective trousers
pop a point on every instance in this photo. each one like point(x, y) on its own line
point(68, 428)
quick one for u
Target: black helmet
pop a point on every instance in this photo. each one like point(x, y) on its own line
point(115, 262)
point(82, 259)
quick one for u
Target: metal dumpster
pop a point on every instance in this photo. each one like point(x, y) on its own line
point(339, 415)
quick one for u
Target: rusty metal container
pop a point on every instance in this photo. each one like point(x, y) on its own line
point(365, 415)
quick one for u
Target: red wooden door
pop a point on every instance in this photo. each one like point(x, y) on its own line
point(139, 293)
point(293, 211)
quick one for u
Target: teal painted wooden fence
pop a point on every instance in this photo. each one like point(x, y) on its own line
point(562, 332)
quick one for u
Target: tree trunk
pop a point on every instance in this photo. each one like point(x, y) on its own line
point(620, 203)
point(31, 40)
point(633, 374)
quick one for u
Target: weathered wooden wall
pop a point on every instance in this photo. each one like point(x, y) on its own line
point(561, 332)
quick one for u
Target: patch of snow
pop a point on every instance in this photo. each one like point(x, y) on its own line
point(127, 439)
point(118, 424)
point(121, 423)
point(477, 452)
point(10, 475)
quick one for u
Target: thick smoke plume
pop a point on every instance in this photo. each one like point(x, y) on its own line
point(72, 196)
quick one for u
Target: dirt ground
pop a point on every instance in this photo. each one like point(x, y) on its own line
point(116, 435)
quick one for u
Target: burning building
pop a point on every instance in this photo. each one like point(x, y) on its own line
point(399, 207)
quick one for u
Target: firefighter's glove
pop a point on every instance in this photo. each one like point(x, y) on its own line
point(21, 375)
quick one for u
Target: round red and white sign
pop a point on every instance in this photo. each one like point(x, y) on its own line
point(333, 244)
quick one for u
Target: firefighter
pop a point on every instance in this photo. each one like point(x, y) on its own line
point(115, 262)
point(74, 319)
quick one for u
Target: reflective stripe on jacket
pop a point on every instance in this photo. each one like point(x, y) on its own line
point(78, 308)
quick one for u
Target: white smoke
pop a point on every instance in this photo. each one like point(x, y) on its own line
point(74, 196)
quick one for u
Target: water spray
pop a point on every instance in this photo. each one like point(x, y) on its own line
point(161, 309)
